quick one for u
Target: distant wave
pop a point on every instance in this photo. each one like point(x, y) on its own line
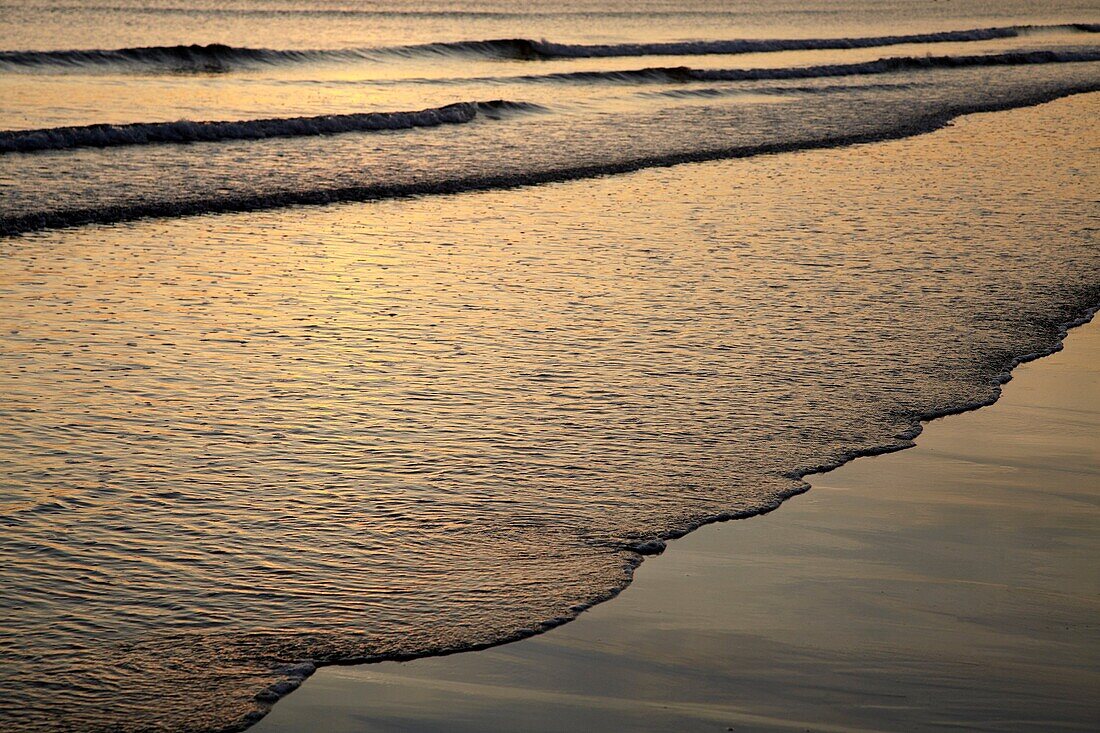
point(921, 123)
point(185, 131)
point(220, 57)
point(710, 92)
point(211, 57)
point(524, 48)
point(668, 74)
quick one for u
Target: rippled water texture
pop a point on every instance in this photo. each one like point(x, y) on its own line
point(233, 446)
point(237, 443)
point(478, 102)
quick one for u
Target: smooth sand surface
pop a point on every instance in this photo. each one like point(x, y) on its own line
point(954, 585)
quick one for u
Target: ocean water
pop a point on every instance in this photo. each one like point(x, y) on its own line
point(298, 366)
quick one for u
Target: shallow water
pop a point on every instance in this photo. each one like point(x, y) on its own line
point(236, 445)
point(950, 587)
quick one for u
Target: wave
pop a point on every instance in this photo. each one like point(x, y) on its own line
point(186, 131)
point(18, 224)
point(217, 57)
point(671, 74)
point(711, 92)
point(194, 57)
point(525, 48)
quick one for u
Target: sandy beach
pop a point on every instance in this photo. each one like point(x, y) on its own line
point(950, 586)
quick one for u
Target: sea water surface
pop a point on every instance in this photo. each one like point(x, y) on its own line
point(240, 437)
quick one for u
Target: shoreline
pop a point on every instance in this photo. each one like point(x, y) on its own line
point(907, 439)
point(441, 674)
point(1053, 335)
point(299, 673)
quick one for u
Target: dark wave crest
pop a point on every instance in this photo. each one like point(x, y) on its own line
point(524, 48)
point(667, 74)
point(784, 90)
point(24, 223)
point(194, 57)
point(217, 57)
point(185, 131)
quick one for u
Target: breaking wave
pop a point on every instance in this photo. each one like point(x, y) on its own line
point(217, 57)
point(194, 57)
point(525, 48)
point(668, 74)
point(711, 92)
point(186, 131)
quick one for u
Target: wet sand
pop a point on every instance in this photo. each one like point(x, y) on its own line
point(954, 585)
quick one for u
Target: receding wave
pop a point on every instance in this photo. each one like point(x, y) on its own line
point(23, 223)
point(217, 57)
point(186, 131)
point(668, 74)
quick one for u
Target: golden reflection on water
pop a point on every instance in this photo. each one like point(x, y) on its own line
point(234, 443)
point(47, 98)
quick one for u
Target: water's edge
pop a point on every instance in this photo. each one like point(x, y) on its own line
point(1050, 342)
point(297, 674)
